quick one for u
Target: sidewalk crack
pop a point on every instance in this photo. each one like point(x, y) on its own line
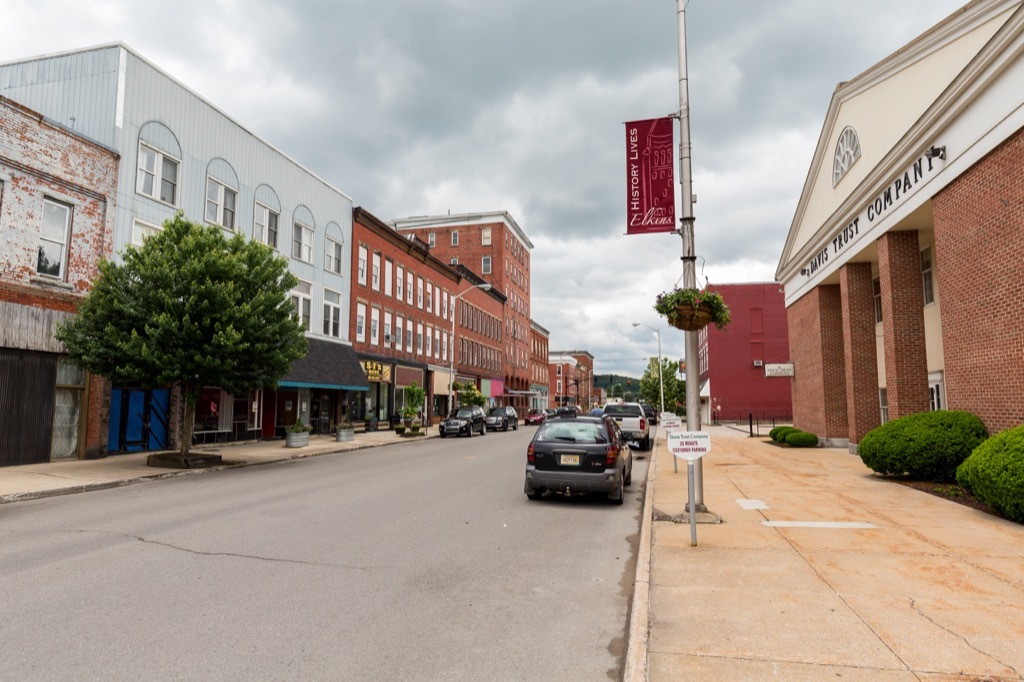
point(962, 638)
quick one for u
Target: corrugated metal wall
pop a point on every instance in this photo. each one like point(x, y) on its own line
point(27, 385)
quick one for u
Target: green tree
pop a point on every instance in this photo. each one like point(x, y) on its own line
point(414, 397)
point(190, 308)
point(675, 388)
point(469, 394)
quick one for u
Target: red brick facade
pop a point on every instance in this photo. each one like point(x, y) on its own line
point(979, 248)
point(45, 167)
point(816, 348)
point(491, 248)
point(424, 348)
point(735, 357)
point(862, 400)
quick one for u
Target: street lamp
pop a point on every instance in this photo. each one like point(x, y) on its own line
point(451, 349)
point(660, 381)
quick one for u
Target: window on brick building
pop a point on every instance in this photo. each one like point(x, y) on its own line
point(362, 265)
point(398, 332)
point(485, 236)
point(876, 287)
point(375, 326)
point(375, 273)
point(54, 232)
point(883, 403)
point(220, 204)
point(399, 278)
point(432, 239)
point(485, 265)
point(157, 175)
point(389, 268)
point(455, 237)
point(927, 281)
point(361, 322)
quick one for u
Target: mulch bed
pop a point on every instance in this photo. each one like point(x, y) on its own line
point(951, 492)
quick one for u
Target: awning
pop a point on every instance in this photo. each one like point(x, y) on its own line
point(327, 365)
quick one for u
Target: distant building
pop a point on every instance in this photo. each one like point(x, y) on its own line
point(562, 379)
point(58, 192)
point(493, 246)
point(732, 362)
point(540, 387)
point(902, 264)
point(582, 388)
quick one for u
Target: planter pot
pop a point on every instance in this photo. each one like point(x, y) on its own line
point(342, 435)
point(689, 318)
point(400, 430)
point(296, 440)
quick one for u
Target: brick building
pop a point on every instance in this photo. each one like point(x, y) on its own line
point(563, 380)
point(493, 246)
point(540, 379)
point(732, 363)
point(581, 383)
point(58, 194)
point(403, 300)
point(917, 166)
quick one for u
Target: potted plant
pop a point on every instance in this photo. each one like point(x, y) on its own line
point(414, 397)
point(297, 435)
point(345, 431)
point(693, 309)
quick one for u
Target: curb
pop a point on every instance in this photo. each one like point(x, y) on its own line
point(639, 626)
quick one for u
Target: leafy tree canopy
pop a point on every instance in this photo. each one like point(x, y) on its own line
point(192, 308)
point(675, 388)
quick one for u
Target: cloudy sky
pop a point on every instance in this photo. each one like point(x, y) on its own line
point(416, 107)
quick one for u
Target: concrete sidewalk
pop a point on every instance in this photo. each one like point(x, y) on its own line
point(822, 571)
point(30, 481)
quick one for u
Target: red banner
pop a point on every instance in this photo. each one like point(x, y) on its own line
point(650, 184)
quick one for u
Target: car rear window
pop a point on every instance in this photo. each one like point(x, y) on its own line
point(573, 432)
point(622, 410)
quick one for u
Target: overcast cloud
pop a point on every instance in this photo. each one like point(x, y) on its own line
point(416, 107)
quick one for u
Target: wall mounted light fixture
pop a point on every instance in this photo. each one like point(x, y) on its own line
point(935, 153)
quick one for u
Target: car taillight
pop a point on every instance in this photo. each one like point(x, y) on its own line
point(612, 457)
point(529, 454)
point(643, 423)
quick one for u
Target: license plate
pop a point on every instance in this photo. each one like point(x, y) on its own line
point(569, 460)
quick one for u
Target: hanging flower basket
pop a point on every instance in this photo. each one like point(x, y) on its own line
point(689, 318)
point(693, 309)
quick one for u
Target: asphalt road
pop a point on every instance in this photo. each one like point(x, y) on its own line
point(420, 561)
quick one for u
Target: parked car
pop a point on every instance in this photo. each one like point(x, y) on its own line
point(649, 412)
point(464, 420)
point(631, 419)
point(575, 455)
point(502, 418)
point(535, 417)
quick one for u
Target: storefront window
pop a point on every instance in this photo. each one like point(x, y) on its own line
point(210, 414)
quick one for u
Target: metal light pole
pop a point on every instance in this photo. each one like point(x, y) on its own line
point(689, 256)
point(451, 350)
point(661, 382)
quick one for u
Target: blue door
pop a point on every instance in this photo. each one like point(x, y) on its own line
point(138, 419)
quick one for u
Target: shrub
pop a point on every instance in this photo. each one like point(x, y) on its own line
point(802, 439)
point(783, 431)
point(774, 431)
point(994, 473)
point(926, 446)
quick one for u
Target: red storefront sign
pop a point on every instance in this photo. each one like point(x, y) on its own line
point(650, 186)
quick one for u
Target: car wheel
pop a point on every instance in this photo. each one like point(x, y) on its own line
point(442, 434)
point(629, 475)
point(646, 444)
point(618, 495)
point(515, 425)
point(483, 430)
point(469, 431)
point(504, 426)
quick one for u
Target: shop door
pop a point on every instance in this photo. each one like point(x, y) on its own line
point(27, 385)
point(138, 419)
